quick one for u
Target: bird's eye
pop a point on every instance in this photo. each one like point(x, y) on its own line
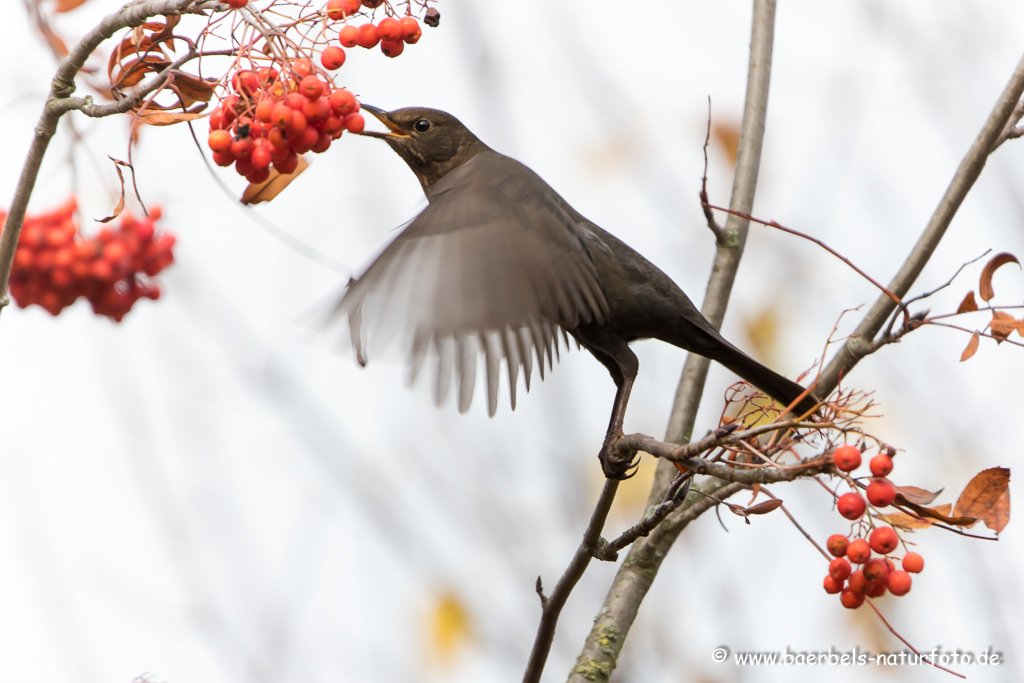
point(421, 126)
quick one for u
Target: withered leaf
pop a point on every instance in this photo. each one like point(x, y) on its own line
point(940, 513)
point(272, 186)
point(764, 507)
point(972, 347)
point(985, 285)
point(987, 497)
point(727, 135)
point(192, 89)
point(917, 495)
point(120, 204)
point(1002, 325)
point(968, 304)
point(905, 521)
point(167, 118)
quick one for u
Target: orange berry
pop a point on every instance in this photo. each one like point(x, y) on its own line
point(859, 551)
point(261, 156)
point(913, 563)
point(846, 458)
point(837, 544)
point(245, 82)
point(832, 586)
point(851, 505)
point(392, 48)
point(282, 115)
point(850, 599)
point(881, 492)
point(343, 102)
point(223, 158)
point(302, 68)
point(354, 123)
point(339, 9)
point(899, 583)
point(288, 165)
point(265, 110)
point(219, 140)
point(840, 569)
point(349, 36)
point(875, 569)
point(389, 29)
point(260, 175)
point(368, 36)
point(311, 87)
point(316, 110)
point(332, 57)
point(884, 540)
point(411, 30)
point(881, 465)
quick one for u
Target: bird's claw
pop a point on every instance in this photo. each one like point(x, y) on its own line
point(617, 463)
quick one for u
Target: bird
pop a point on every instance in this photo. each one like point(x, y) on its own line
point(498, 264)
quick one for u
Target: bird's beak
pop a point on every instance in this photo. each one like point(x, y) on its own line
point(394, 129)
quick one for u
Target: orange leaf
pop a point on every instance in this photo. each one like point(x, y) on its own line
point(917, 495)
point(727, 135)
point(192, 89)
point(67, 5)
point(985, 288)
point(940, 512)
point(972, 347)
point(968, 304)
point(272, 186)
point(1002, 325)
point(987, 497)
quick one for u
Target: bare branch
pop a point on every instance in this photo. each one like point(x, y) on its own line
point(601, 649)
point(860, 342)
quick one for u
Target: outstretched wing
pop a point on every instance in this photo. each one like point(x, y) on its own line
point(493, 265)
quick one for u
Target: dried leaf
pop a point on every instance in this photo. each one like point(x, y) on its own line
point(120, 204)
point(940, 513)
point(450, 626)
point(167, 118)
point(985, 286)
point(987, 497)
point(272, 186)
point(192, 89)
point(968, 304)
point(905, 521)
point(67, 5)
point(763, 508)
point(756, 490)
point(728, 135)
point(1002, 325)
point(972, 347)
point(917, 495)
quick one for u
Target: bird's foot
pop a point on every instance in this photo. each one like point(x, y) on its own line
point(617, 463)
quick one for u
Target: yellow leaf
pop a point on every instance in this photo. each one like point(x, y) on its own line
point(449, 625)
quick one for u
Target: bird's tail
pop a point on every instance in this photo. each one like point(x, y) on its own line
point(696, 334)
point(783, 390)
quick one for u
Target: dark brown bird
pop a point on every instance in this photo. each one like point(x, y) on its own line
point(499, 263)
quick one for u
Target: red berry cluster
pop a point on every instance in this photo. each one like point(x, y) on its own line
point(877, 574)
point(392, 33)
point(271, 118)
point(54, 264)
point(274, 113)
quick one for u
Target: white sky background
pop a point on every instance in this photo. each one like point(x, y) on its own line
point(213, 492)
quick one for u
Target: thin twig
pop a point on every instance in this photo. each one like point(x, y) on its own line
point(551, 607)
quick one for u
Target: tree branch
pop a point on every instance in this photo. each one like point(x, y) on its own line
point(59, 102)
point(604, 643)
point(859, 343)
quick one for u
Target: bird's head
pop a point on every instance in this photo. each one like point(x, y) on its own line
point(432, 142)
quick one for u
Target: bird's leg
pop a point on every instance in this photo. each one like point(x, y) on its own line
point(615, 463)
